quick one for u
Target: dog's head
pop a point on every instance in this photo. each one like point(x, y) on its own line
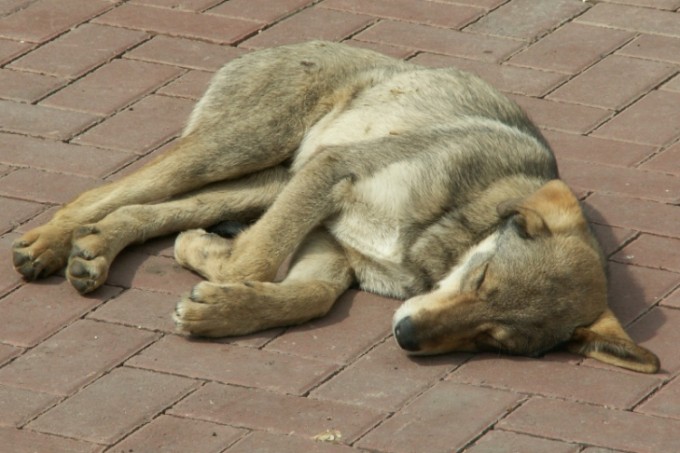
point(536, 283)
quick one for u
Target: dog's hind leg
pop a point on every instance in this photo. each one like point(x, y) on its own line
point(191, 164)
point(96, 245)
point(319, 274)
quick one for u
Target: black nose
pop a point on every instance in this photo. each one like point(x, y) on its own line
point(405, 333)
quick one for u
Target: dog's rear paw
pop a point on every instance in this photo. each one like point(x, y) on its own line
point(41, 252)
point(212, 310)
point(202, 252)
point(88, 265)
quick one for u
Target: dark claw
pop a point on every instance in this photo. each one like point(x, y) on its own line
point(82, 286)
point(20, 259)
point(30, 270)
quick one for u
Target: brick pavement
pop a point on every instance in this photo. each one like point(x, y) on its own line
point(89, 89)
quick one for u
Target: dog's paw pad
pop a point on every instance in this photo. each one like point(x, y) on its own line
point(86, 275)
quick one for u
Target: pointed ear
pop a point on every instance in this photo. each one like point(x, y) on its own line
point(552, 209)
point(606, 341)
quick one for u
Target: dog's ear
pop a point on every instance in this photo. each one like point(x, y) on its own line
point(552, 209)
point(606, 341)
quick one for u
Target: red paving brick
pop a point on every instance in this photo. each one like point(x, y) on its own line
point(643, 215)
point(74, 356)
point(511, 79)
point(184, 52)
point(18, 406)
point(657, 330)
point(616, 80)
point(191, 85)
point(26, 87)
point(594, 425)
point(653, 47)
point(155, 273)
point(281, 373)
point(434, 419)
point(651, 120)
point(667, 161)
point(44, 187)
point(313, 23)
point(633, 290)
point(180, 435)
point(652, 185)
point(119, 402)
point(252, 408)
point(673, 300)
point(525, 19)
point(572, 118)
point(42, 121)
point(665, 403)
point(27, 441)
point(22, 151)
point(188, 5)
point(9, 279)
point(43, 19)
point(571, 48)
point(30, 316)
point(263, 11)
point(176, 22)
point(356, 322)
point(8, 352)
point(553, 377)
point(10, 49)
point(114, 85)
point(79, 50)
point(16, 211)
point(593, 149)
point(498, 441)
point(419, 11)
point(93, 89)
point(652, 251)
point(673, 84)
point(439, 40)
point(612, 238)
point(140, 127)
point(385, 378)
point(626, 17)
point(262, 442)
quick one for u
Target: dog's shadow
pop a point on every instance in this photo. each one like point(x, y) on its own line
point(627, 296)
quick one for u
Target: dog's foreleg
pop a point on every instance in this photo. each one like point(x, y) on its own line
point(319, 274)
point(96, 245)
point(313, 195)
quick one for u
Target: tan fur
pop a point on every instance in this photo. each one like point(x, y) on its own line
point(422, 184)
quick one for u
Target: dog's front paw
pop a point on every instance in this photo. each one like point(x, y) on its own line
point(88, 265)
point(41, 252)
point(212, 310)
